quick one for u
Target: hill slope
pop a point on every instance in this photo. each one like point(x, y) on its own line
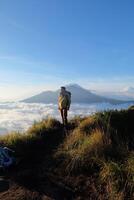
point(93, 159)
point(79, 95)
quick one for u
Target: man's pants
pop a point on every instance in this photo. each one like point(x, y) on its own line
point(64, 115)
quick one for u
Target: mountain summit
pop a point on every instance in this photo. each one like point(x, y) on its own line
point(79, 95)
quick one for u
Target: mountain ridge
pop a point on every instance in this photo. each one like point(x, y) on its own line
point(79, 95)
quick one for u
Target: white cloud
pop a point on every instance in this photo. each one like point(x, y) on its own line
point(20, 116)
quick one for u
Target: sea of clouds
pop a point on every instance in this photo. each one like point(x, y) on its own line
point(18, 116)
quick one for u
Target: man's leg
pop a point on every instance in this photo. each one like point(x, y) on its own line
point(65, 117)
point(62, 115)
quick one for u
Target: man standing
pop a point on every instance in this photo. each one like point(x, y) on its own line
point(64, 102)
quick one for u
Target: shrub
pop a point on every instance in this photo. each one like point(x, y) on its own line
point(88, 124)
point(131, 107)
point(76, 121)
point(36, 138)
point(129, 171)
point(24, 145)
point(45, 126)
point(14, 140)
point(81, 150)
point(111, 174)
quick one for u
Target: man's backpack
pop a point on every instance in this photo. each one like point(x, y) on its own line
point(6, 160)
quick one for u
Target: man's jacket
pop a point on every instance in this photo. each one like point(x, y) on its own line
point(64, 100)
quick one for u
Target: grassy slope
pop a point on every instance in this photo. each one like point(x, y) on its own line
point(94, 159)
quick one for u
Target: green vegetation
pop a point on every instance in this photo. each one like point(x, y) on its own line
point(94, 159)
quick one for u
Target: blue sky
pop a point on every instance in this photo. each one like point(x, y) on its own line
point(48, 43)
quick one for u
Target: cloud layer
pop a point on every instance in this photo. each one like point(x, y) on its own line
point(20, 116)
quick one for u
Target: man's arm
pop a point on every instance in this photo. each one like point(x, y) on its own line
point(69, 100)
point(59, 100)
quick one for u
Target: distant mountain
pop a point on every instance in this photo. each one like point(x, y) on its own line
point(126, 94)
point(79, 95)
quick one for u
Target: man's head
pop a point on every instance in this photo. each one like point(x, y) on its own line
point(63, 89)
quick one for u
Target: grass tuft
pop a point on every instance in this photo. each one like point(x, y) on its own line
point(80, 149)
